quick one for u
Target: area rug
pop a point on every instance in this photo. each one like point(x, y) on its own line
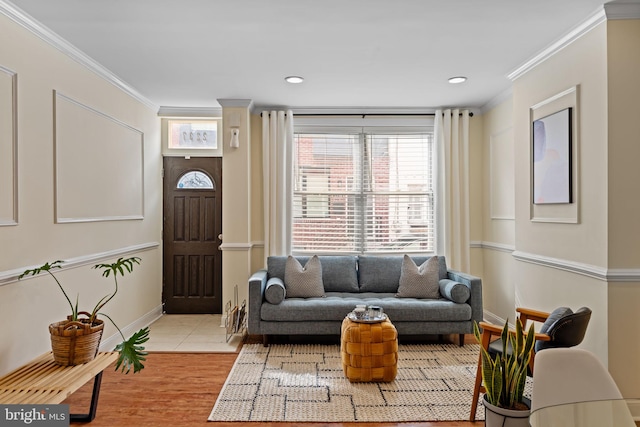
point(306, 383)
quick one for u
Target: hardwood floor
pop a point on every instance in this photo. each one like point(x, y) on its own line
point(179, 389)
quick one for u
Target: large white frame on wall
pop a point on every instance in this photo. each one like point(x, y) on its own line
point(8, 147)
point(561, 212)
point(99, 165)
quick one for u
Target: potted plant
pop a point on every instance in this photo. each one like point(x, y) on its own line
point(505, 375)
point(75, 340)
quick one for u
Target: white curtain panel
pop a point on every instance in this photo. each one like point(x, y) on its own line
point(452, 138)
point(277, 143)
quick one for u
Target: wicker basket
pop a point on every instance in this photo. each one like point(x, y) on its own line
point(75, 342)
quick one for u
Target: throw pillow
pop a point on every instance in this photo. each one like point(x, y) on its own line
point(419, 282)
point(275, 292)
point(303, 282)
point(454, 291)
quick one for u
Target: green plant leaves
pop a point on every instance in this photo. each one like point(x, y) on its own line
point(505, 375)
point(118, 267)
point(132, 352)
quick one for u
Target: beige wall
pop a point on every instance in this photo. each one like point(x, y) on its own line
point(28, 306)
point(570, 264)
point(623, 202)
point(498, 218)
point(538, 285)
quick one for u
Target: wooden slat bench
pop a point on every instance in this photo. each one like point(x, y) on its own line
point(42, 381)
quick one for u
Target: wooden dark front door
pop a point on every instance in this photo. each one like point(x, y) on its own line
point(192, 226)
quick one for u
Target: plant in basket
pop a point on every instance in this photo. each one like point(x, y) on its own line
point(75, 341)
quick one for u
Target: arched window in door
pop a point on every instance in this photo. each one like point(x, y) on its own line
point(195, 179)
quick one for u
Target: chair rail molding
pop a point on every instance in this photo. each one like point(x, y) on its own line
point(593, 271)
point(494, 246)
point(10, 276)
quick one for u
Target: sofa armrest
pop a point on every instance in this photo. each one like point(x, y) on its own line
point(257, 286)
point(475, 285)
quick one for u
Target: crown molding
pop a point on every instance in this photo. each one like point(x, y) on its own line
point(622, 10)
point(30, 24)
point(235, 103)
point(497, 100)
point(193, 112)
point(589, 24)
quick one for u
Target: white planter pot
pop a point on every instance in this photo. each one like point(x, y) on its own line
point(495, 416)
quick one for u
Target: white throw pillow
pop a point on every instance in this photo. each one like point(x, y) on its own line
point(419, 282)
point(303, 282)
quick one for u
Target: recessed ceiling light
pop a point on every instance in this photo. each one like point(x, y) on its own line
point(458, 79)
point(294, 79)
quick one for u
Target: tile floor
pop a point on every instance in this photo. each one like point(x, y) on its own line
point(192, 333)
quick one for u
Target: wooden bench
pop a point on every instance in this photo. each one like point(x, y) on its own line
point(42, 381)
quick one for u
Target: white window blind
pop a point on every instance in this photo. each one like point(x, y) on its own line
point(363, 192)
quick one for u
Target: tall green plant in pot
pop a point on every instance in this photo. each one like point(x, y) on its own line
point(505, 376)
point(75, 340)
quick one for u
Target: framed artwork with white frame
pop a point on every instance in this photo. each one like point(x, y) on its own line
point(554, 158)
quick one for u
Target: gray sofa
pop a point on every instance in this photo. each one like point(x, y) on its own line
point(371, 280)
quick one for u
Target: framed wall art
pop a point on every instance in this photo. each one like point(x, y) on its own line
point(552, 158)
point(554, 145)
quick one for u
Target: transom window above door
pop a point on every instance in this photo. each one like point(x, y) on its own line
point(191, 137)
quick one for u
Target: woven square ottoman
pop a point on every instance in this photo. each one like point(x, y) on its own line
point(369, 351)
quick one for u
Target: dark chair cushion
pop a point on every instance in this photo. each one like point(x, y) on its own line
point(567, 331)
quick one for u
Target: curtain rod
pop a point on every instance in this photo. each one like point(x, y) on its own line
point(363, 115)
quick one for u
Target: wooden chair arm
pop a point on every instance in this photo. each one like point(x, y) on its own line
point(530, 314)
point(541, 337)
point(491, 328)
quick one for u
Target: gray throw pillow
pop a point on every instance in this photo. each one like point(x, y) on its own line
point(454, 291)
point(275, 292)
point(303, 282)
point(419, 282)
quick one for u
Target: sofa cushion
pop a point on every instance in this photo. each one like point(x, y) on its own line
point(419, 282)
point(336, 305)
point(454, 291)
point(303, 282)
point(339, 273)
point(275, 291)
point(382, 273)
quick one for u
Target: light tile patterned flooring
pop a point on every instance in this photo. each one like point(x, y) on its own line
point(191, 333)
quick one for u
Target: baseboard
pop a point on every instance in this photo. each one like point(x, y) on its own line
point(115, 339)
point(492, 318)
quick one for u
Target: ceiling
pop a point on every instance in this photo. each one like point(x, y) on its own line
point(352, 53)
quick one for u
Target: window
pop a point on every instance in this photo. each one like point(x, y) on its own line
point(195, 179)
point(196, 137)
point(193, 134)
point(363, 192)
